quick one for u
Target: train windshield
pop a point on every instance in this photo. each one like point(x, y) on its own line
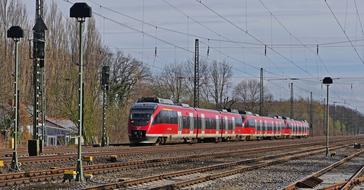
point(140, 117)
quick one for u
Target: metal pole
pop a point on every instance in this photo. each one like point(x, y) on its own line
point(79, 167)
point(196, 92)
point(261, 93)
point(104, 99)
point(44, 130)
point(311, 115)
point(291, 112)
point(38, 72)
point(327, 121)
point(196, 87)
point(14, 161)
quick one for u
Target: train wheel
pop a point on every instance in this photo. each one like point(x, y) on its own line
point(164, 140)
point(158, 142)
point(185, 140)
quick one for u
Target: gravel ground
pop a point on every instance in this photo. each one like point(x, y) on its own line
point(172, 151)
point(232, 182)
point(341, 173)
point(276, 176)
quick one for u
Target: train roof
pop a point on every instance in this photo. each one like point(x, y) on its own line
point(153, 102)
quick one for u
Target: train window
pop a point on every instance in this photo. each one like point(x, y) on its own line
point(166, 116)
point(226, 123)
point(173, 117)
point(238, 122)
point(229, 124)
point(213, 123)
point(260, 125)
point(201, 123)
point(139, 119)
point(185, 122)
point(208, 123)
point(251, 123)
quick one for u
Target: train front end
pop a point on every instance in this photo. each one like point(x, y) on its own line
point(140, 119)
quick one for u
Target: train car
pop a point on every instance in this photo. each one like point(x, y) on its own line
point(256, 126)
point(157, 121)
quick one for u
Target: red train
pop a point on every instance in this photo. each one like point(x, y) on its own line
point(156, 121)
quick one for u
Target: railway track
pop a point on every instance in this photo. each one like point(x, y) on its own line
point(342, 174)
point(124, 152)
point(52, 174)
point(184, 178)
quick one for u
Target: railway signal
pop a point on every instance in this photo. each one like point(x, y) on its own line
point(327, 81)
point(80, 11)
point(34, 146)
point(16, 33)
point(105, 75)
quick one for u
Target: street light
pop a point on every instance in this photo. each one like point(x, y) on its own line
point(80, 11)
point(15, 32)
point(327, 81)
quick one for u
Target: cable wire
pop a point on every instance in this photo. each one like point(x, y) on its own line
point(343, 30)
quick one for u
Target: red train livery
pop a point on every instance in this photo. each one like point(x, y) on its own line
point(156, 120)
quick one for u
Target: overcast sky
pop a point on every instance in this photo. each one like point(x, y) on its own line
point(290, 29)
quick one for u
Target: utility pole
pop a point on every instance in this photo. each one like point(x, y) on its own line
point(80, 11)
point(179, 88)
point(196, 79)
point(324, 116)
point(291, 115)
point(16, 33)
point(196, 89)
point(35, 146)
point(311, 115)
point(327, 81)
point(105, 87)
point(261, 94)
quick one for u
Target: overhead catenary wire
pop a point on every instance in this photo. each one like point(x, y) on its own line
point(225, 39)
point(291, 34)
point(155, 37)
point(358, 15)
point(343, 30)
point(240, 61)
point(138, 30)
point(254, 37)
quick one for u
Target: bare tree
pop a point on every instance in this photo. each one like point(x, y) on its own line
point(247, 94)
point(126, 72)
point(170, 82)
point(221, 74)
point(203, 81)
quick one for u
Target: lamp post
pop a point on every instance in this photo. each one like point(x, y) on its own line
point(80, 11)
point(15, 32)
point(327, 81)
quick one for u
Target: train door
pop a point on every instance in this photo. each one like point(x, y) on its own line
point(191, 123)
point(259, 126)
point(274, 127)
point(233, 129)
point(203, 124)
point(294, 128)
point(217, 124)
point(226, 124)
point(179, 115)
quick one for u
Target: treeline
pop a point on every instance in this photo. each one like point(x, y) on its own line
point(129, 79)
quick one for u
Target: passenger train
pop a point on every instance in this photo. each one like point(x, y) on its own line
point(157, 121)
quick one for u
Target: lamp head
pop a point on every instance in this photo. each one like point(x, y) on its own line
point(15, 32)
point(80, 11)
